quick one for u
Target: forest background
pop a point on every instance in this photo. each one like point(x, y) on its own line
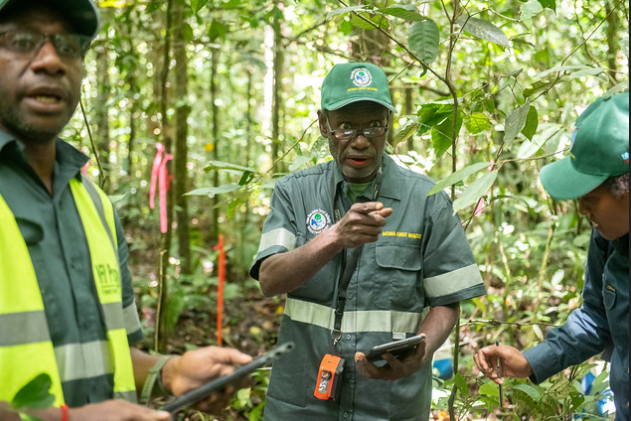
point(487, 94)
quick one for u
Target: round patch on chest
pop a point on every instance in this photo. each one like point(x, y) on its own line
point(318, 221)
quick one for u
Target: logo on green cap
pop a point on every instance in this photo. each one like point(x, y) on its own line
point(361, 77)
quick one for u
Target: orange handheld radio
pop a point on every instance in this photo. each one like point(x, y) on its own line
point(329, 378)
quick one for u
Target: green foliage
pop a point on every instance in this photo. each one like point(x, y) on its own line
point(491, 83)
point(34, 395)
point(423, 39)
point(484, 30)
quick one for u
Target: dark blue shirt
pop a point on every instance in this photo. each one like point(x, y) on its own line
point(600, 325)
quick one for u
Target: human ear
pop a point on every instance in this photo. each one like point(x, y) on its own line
point(324, 131)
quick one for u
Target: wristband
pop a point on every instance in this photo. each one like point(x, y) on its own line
point(150, 382)
point(64, 412)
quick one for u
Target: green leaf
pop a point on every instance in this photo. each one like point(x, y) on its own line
point(477, 123)
point(530, 9)
point(407, 12)
point(592, 71)
point(432, 114)
point(442, 134)
point(346, 27)
point(484, 30)
point(527, 149)
point(300, 161)
point(35, 394)
point(574, 70)
point(232, 4)
point(246, 178)
point(360, 23)
point(515, 122)
point(479, 304)
point(117, 197)
point(405, 133)
point(457, 176)
point(618, 88)
point(206, 191)
point(343, 10)
point(536, 87)
point(217, 30)
point(490, 389)
point(187, 32)
point(198, 5)
point(475, 191)
point(560, 389)
point(550, 4)
point(423, 39)
point(532, 122)
point(529, 390)
point(461, 384)
point(220, 165)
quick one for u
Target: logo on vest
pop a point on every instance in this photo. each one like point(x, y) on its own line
point(318, 221)
point(108, 280)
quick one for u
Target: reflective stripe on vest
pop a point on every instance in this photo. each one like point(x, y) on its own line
point(26, 349)
point(353, 321)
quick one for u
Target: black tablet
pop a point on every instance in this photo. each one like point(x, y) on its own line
point(400, 349)
point(202, 392)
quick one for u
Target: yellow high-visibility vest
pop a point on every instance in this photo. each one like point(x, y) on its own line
point(26, 349)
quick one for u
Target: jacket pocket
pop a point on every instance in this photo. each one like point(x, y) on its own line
point(399, 269)
point(609, 296)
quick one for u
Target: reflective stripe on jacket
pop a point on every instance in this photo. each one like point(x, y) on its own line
point(26, 349)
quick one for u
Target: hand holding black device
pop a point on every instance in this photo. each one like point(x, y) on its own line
point(400, 349)
point(202, 392)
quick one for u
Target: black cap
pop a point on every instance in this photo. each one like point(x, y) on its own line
point(83, 14)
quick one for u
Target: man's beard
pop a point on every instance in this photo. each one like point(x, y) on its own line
point(13, 121)
point(26, 132)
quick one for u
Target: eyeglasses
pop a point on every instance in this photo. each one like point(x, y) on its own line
point(26, 42)
point(347, 134)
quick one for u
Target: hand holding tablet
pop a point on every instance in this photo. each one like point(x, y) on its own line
point(400, 349)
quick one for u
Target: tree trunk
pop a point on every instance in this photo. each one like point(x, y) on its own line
point(278, 85)
point(612, 41)
point(214, 90)
point(162, 334)
point(409, 109)
point(133, 89)
point(182, 112)
point(102, 120)
point(249, 121)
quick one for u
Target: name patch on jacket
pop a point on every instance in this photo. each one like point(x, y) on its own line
point(402, 234)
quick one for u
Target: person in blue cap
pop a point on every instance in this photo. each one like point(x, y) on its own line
point(67, 310)
point(596, 173)
point(365, 257)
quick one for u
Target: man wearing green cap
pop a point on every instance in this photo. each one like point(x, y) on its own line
point(365, 257)
point(67, 310)
point(597, 174)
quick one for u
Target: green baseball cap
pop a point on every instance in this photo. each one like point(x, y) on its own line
point(82, 14)
point(600, 150)
point(353, 82)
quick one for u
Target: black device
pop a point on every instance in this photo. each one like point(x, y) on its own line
point(202, 392)
point(400, 349)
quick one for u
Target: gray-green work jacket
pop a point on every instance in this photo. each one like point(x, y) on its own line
point(421, 259)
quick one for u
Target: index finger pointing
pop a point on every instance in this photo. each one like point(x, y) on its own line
point(370, 207)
